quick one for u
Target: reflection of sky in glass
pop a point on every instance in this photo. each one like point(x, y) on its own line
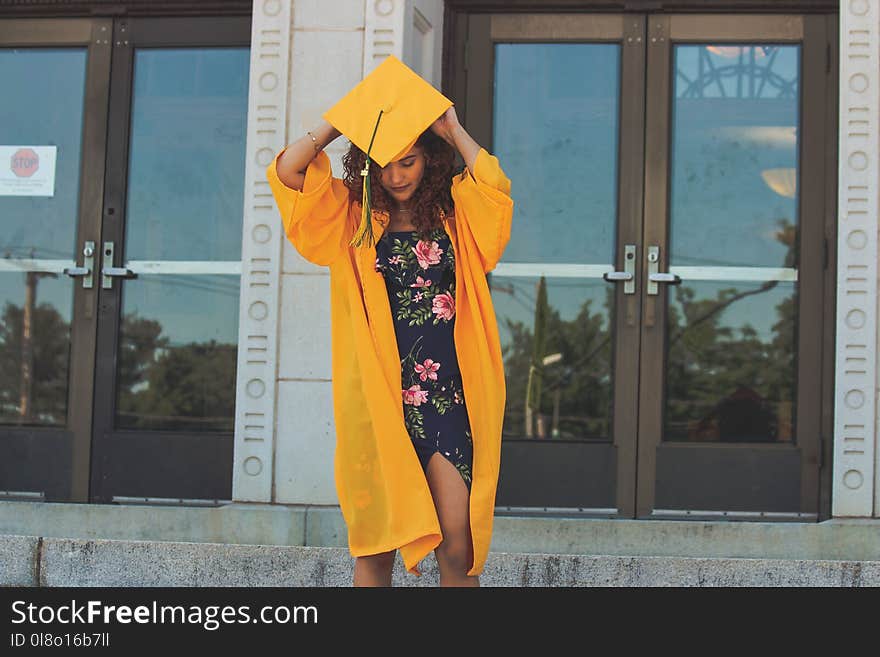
point(185, 202)
point(199, 308)
point(733, 193)
point(186, 184)
point(555, 134)
point(185, 190)
point(734, 154)
point(42, 105)
point(43, 94)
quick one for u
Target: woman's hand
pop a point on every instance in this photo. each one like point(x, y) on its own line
point(451, 131)
point(446, 125)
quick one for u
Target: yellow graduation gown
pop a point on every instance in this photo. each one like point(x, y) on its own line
point(383, 492)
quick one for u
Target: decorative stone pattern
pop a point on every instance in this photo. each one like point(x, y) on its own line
point(261, 256)
point(855, 472)
point(383, 31)
point(326, 60)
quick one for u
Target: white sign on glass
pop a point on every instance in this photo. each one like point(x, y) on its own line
point(27, 170)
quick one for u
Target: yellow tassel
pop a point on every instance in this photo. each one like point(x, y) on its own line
point(365, 229)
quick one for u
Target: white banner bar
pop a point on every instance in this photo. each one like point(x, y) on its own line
point(28, 264)
point(572, 270)
point(185, 267)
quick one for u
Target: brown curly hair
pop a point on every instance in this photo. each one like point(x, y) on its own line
point(433, 193)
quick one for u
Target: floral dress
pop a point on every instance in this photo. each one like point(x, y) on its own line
point(420, 279)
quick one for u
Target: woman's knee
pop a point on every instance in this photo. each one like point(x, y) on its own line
point(455, 553)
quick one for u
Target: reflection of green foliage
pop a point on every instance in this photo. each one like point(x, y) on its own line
point(50, 344)
point(722, 383)
point(538, 345)
point(187, 388)
point(137, 351)
point(582, 376)
point(725, 384)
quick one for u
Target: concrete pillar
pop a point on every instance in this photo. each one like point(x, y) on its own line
point(855, 482)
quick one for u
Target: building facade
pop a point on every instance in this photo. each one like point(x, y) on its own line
point(687, 305)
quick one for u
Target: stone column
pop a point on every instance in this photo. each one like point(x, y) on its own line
point(253, 463)
point(855, 483)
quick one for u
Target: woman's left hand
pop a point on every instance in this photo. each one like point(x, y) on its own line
point(445, 126)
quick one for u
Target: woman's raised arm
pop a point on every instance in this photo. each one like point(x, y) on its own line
point(291, 166)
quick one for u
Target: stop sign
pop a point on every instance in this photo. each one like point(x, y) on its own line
point(25, 162)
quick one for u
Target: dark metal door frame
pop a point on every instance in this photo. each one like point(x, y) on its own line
point(628, 32)
point(55, 461)
point(808, 31)
point(155, 464)
point(468, 69)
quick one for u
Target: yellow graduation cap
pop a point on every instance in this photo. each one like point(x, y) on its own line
point(383, 116)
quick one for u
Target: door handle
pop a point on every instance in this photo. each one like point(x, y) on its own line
point(118, 272)
point(109, 272)
point(628, 275)
point(672, 279)
point(84, 272)
point(655, 276)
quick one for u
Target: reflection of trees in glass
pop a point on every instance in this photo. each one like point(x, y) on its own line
point(726, 384)
point(187, 387)
point(722, 383)
point(582, 377)
point(46, 397)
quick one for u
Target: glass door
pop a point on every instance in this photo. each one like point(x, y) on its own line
point(171, 248)
point(54, 76)
point(560, 124)
point(119, 316)
point(734, 257)
point(660, 299)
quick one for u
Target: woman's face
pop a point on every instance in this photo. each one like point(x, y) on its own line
point(401, 178)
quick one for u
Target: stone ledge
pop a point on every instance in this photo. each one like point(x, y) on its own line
point(323, 526)
point(18, 560)
point(82, 562)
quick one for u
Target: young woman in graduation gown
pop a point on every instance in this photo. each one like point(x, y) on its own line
point(391, 497)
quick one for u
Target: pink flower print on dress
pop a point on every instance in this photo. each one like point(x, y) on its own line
point(428, 370)
point(444, 306)
point(418, 297)
point(427, 253)
point(414, 395)
point(395, 260)
point(421, 282)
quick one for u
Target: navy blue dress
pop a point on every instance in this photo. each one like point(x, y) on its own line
point(420, 279)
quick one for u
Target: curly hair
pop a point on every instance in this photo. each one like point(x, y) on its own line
point(433, 193)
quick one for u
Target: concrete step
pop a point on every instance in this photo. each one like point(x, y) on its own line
point(36, 561)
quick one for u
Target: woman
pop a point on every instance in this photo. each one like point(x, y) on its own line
point(413, 330)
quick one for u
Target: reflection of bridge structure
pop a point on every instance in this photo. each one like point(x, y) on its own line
point(750, 76)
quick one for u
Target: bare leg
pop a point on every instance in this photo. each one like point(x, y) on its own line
point(374, 570)
point(455, 554)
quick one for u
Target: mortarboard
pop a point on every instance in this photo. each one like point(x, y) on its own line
point(383, 116)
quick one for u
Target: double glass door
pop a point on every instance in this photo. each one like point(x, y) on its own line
point(660, 301)
point(121, 196)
